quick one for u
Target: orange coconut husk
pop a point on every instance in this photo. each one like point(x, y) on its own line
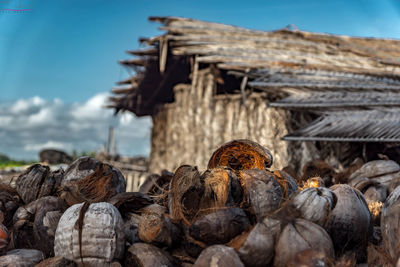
point(241, 154)
point(221, 189)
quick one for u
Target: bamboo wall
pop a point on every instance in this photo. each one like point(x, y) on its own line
point(188, 130)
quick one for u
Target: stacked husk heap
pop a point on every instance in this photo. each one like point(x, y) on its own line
point(238, 212)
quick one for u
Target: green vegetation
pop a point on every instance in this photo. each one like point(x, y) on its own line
point(5, 162)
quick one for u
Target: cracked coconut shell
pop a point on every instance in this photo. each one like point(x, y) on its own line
point(91, 234)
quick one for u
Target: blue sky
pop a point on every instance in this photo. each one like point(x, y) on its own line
point(67, 50)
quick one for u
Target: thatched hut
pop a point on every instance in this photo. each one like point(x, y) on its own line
point(206, 83)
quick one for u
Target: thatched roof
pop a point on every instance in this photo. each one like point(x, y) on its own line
point(310, 70)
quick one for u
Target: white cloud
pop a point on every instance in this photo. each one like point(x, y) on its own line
point(29, 125)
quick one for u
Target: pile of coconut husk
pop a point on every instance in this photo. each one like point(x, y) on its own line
point(238, 212)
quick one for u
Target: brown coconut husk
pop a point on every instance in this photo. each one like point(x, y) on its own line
point(130, 202)
point(221, 189)
point(218, 256)
point(142, 254)
point(263, 193)
point(38, 181)
point(101, 185)
point(319, 168)
point(9, 203)
point(56, 262)
point(156, 184)
point(241, 154)
point(36, 223)
point(154, 227)
point(311, 257)
point(256, 246)
point(185, 192)
point(219, 227)
point(287, 182)
point(3, 239)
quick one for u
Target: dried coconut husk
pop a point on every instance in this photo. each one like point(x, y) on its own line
point(192, 246)
point(349, 223)
point(79, 169)
point(311, 257)
point(56, 262)
point(185, 192)
point(21, 258)
point(382, 171)
point(299, 235)
point(38, 181)
point(263, 193)
point(155, 184)
point(221, 189)
point(390, 224)
point(9, 203)
point(287, 183)
point(241, 154)
point(319, 168)
point(312, 182)
point(3, 239)
point(314, 204)
point(374, 194)
point(377, 256)
point(35, 224)
point(128, 202)
point(131, 224)
point(101, 185)
point(220, 226)
point(218, 256)
point(154, 227)
point(143, 255)
point(256, 246)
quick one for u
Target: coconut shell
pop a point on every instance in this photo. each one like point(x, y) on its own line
point(382, 171)
point(131, 224)
point(94, 237)
point(21, 258)
point(185, 193)
point(263, 193)
point(37, 181)
point(219, 227)
point(9, 203)
point(56, 262)
point(218, 256)
point(3, 238)
point(255, 247)
point(35, 224)
point(101, 185)
point(287, 183)
point(390, 224)
point(45, 223)
point(128, 202)
point(192, 246)
point(310, 258)
point(154, 227)
point(146, 255)
point(314, 204)
point(241, 154)
point(80, 169)
point(300, 235)
point(349, 224)
point(221, 189)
